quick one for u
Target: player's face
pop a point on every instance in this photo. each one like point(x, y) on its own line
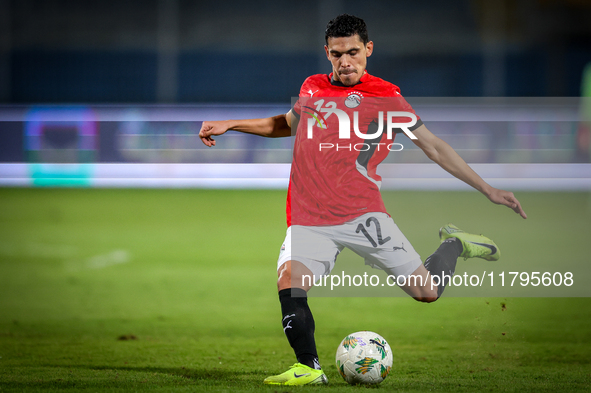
point(348, 56)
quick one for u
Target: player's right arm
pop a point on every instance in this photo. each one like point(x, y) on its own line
point(270, 127)
point(447, 158)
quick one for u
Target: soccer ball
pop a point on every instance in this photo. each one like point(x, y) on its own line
point(364, 358)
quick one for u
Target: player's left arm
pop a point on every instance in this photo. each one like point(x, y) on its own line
point(447, 158)
point(271, 127)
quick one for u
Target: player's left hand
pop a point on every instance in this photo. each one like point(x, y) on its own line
point(502, 197)
point(211, 128)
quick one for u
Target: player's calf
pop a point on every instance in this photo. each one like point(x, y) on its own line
point(442, 264)
point(420, 286)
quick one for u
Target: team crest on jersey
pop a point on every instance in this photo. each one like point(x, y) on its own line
point(353, 99)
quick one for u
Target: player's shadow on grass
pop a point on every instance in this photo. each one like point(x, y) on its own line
point(185, 372)
point(145, 375)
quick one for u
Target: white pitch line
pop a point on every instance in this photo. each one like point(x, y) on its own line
point(100, 261)
point(115, 257)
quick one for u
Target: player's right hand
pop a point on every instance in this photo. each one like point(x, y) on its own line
point(502, 197)
point(211, 128)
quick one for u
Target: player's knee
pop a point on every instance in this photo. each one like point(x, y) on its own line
point(283, 277)
point(292, 274)
point(427, 296)
point(426, 299)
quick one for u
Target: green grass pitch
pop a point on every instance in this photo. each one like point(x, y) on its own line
point(174, 290)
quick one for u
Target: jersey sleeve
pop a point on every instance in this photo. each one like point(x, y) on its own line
point(311, 86)
point(406, 107)
point(296, 108)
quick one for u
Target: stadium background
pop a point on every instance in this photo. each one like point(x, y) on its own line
point(112, 93)
point(104, 65)
point(234, 51)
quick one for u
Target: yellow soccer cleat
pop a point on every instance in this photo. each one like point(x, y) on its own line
point(298, 374)
point(475, 246)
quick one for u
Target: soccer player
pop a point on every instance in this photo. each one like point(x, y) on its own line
point(333, 197)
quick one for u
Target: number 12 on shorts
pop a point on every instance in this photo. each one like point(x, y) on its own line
point(361, 228)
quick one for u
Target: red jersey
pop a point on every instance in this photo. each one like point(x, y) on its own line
point(340, 139)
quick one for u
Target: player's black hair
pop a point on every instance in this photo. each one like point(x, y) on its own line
point(346, 25)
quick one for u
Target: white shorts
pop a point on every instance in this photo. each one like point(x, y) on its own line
point(373, 236)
